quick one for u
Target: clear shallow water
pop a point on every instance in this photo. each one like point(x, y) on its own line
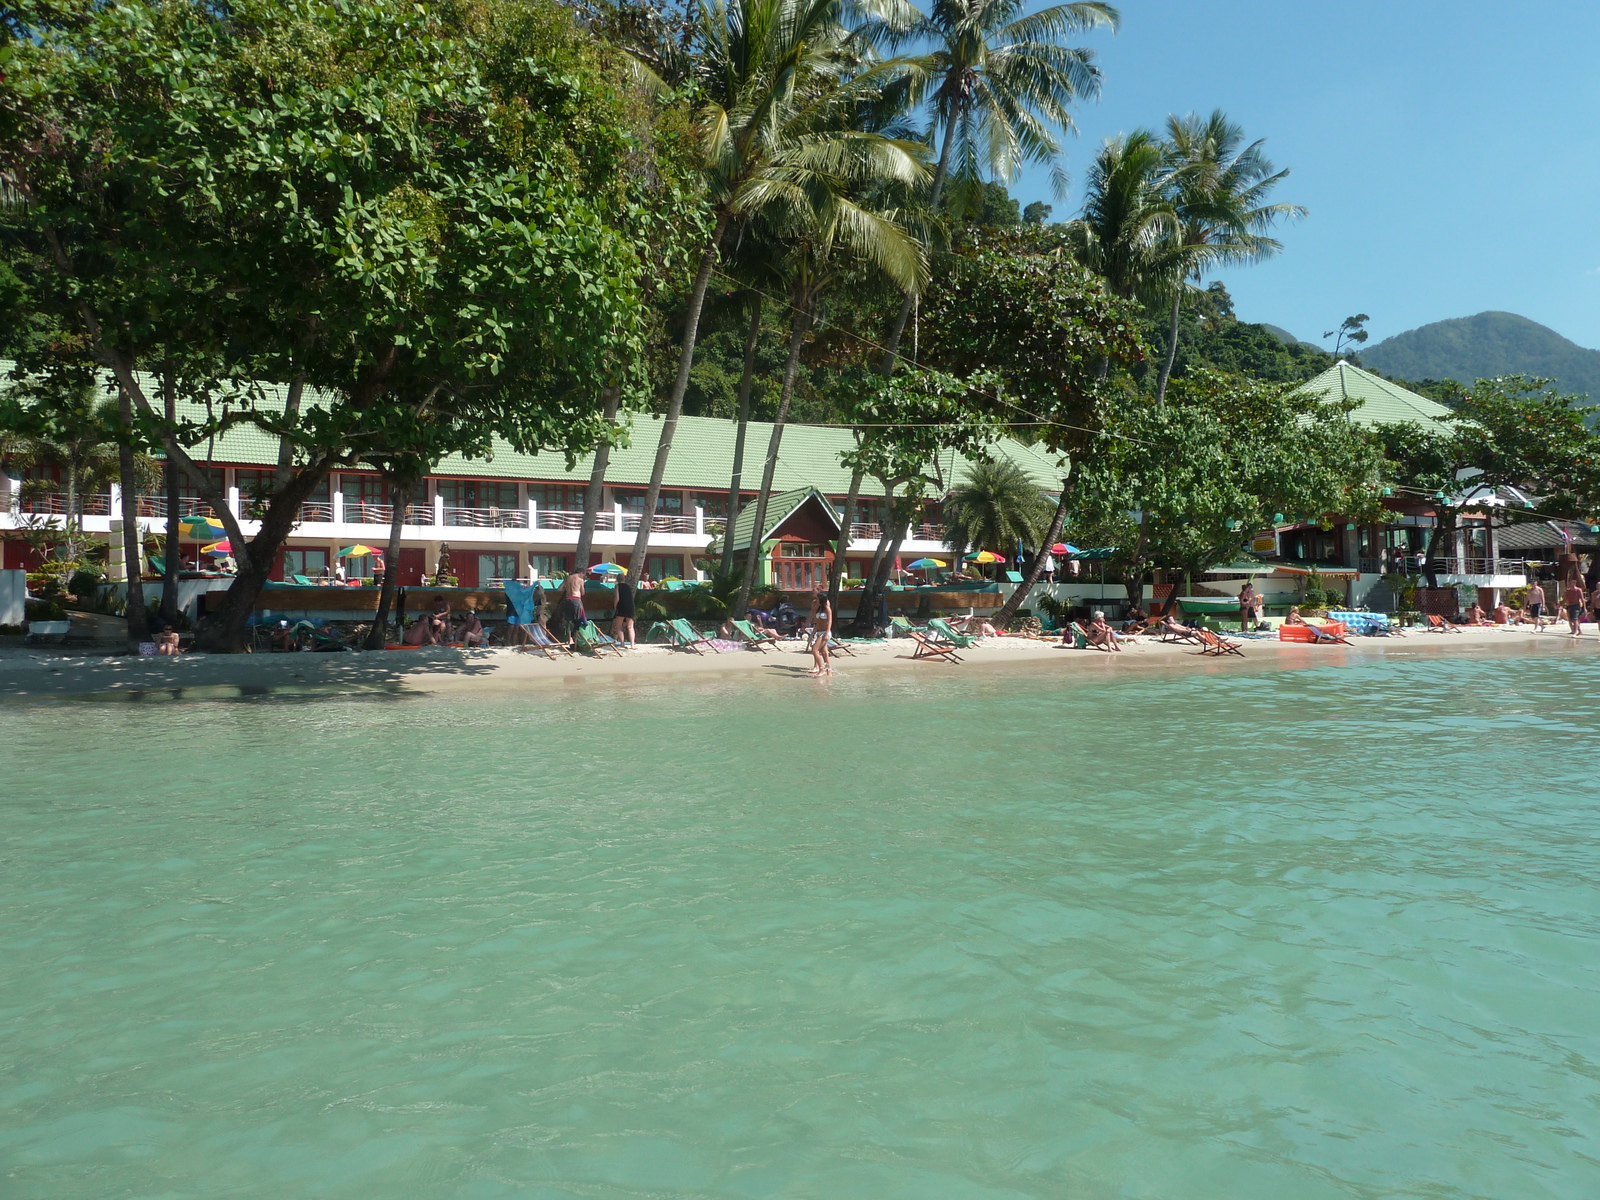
point(1329, 933)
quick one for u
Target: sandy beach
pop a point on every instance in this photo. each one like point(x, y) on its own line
point(26, 671)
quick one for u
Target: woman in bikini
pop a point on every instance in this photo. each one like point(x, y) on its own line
point(821, 623)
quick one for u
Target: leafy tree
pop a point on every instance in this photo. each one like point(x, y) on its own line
point(1181, 485)
point(1037, 213)
point(996, 507)
point(60, 423)
point(383, 205)
point(1016, 304)
point(1219, 197)
point(1352, 330)
point(1000, 79)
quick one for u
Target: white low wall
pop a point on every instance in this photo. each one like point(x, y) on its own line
point(13, 591)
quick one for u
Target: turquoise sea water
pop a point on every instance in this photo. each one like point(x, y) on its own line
point(1284, 934)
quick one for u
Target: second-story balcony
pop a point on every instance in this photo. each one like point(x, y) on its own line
point(486, 518)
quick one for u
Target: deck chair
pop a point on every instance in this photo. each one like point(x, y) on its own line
point(1219, 647)
point(753, 637)
point(900, 627)
point(1323, 636)
point(1084, 641)
point(928, 648)
point(590, 638)
point(302, 581)
point(1438, 624)
point(947, 631)
point(540, 639)
point(1013, 576)
point(685, 638)
point(1172, 635)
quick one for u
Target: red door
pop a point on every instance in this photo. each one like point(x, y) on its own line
point(464, 566)
point(408, 571)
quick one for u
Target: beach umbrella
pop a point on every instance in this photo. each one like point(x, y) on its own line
point(1064, 548)
point(608, 569)
point(924, 564)
point(359, 551)
point(218, 549)
point(201, 529)
point(983, 556)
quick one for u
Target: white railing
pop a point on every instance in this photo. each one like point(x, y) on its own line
point(862, 531)
point(928, 533)
point(90, 504)
point(556, 518)
point(662, 523)
point(320, 511)
point(485, 518)
point(359, 512)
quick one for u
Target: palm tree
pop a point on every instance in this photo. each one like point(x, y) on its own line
point(62, 425)
point(767, 128)
point(1001, 80)
point(995, 508)
point(1219, 188)
point(826, 230)
point(1126, 231)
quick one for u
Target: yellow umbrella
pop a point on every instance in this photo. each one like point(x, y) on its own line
point(984, 556)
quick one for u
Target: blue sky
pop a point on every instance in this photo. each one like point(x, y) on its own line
point(1449, 153)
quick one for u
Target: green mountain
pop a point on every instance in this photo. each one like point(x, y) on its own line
point(1492, 343)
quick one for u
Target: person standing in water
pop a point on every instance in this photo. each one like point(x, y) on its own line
point(821, 623)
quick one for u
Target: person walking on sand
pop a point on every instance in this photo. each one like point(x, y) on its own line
point(1572, 601)
point(571, 608)
point(821, 623)
point(622, 616)
point(1535, 606)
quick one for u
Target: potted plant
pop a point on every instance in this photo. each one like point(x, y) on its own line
point(48, 618)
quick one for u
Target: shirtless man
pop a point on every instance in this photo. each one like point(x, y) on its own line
point(1572, 601)
point(1535, 604)
point(572, 614)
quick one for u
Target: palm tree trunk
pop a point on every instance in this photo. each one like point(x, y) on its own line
point(399, 497)
point(797, 332)
point(891, 344)
point(836, 574)
point(680, 385)
point(1008, 610)
point(1172, 350)
point(734, 485)
point(597, 482)
point(73, 520)
point(138, 625)
point(169, 479)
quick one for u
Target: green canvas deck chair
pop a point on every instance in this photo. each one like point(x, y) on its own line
point(1013, 576)
point(900, 627)
point(947, 631)
point(590, 638)
point(303, 581)
point(753, 637)
point(835, 646)
point(685, 638)
point(927, 647)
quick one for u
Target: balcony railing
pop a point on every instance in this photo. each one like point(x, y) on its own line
point(863, 531)
point(928, 533)
point(54, 504)
point(485, 518)
point(318, 511)
point(557, 518)
point(1447, 564)
point(359, 512)
point(662, 523)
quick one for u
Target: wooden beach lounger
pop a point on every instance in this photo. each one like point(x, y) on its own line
point(928, 648)
point(539, 639)
point(754, 638)
point(1439, 624)
point(591, 639)
point(1220, 647)
point(945, 630)
point(685, 638)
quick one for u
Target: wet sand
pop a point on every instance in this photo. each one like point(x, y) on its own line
point(48, 672)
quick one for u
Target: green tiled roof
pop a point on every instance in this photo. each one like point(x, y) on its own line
point(702, 454)
point(778, 510)
point(1380, 402)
